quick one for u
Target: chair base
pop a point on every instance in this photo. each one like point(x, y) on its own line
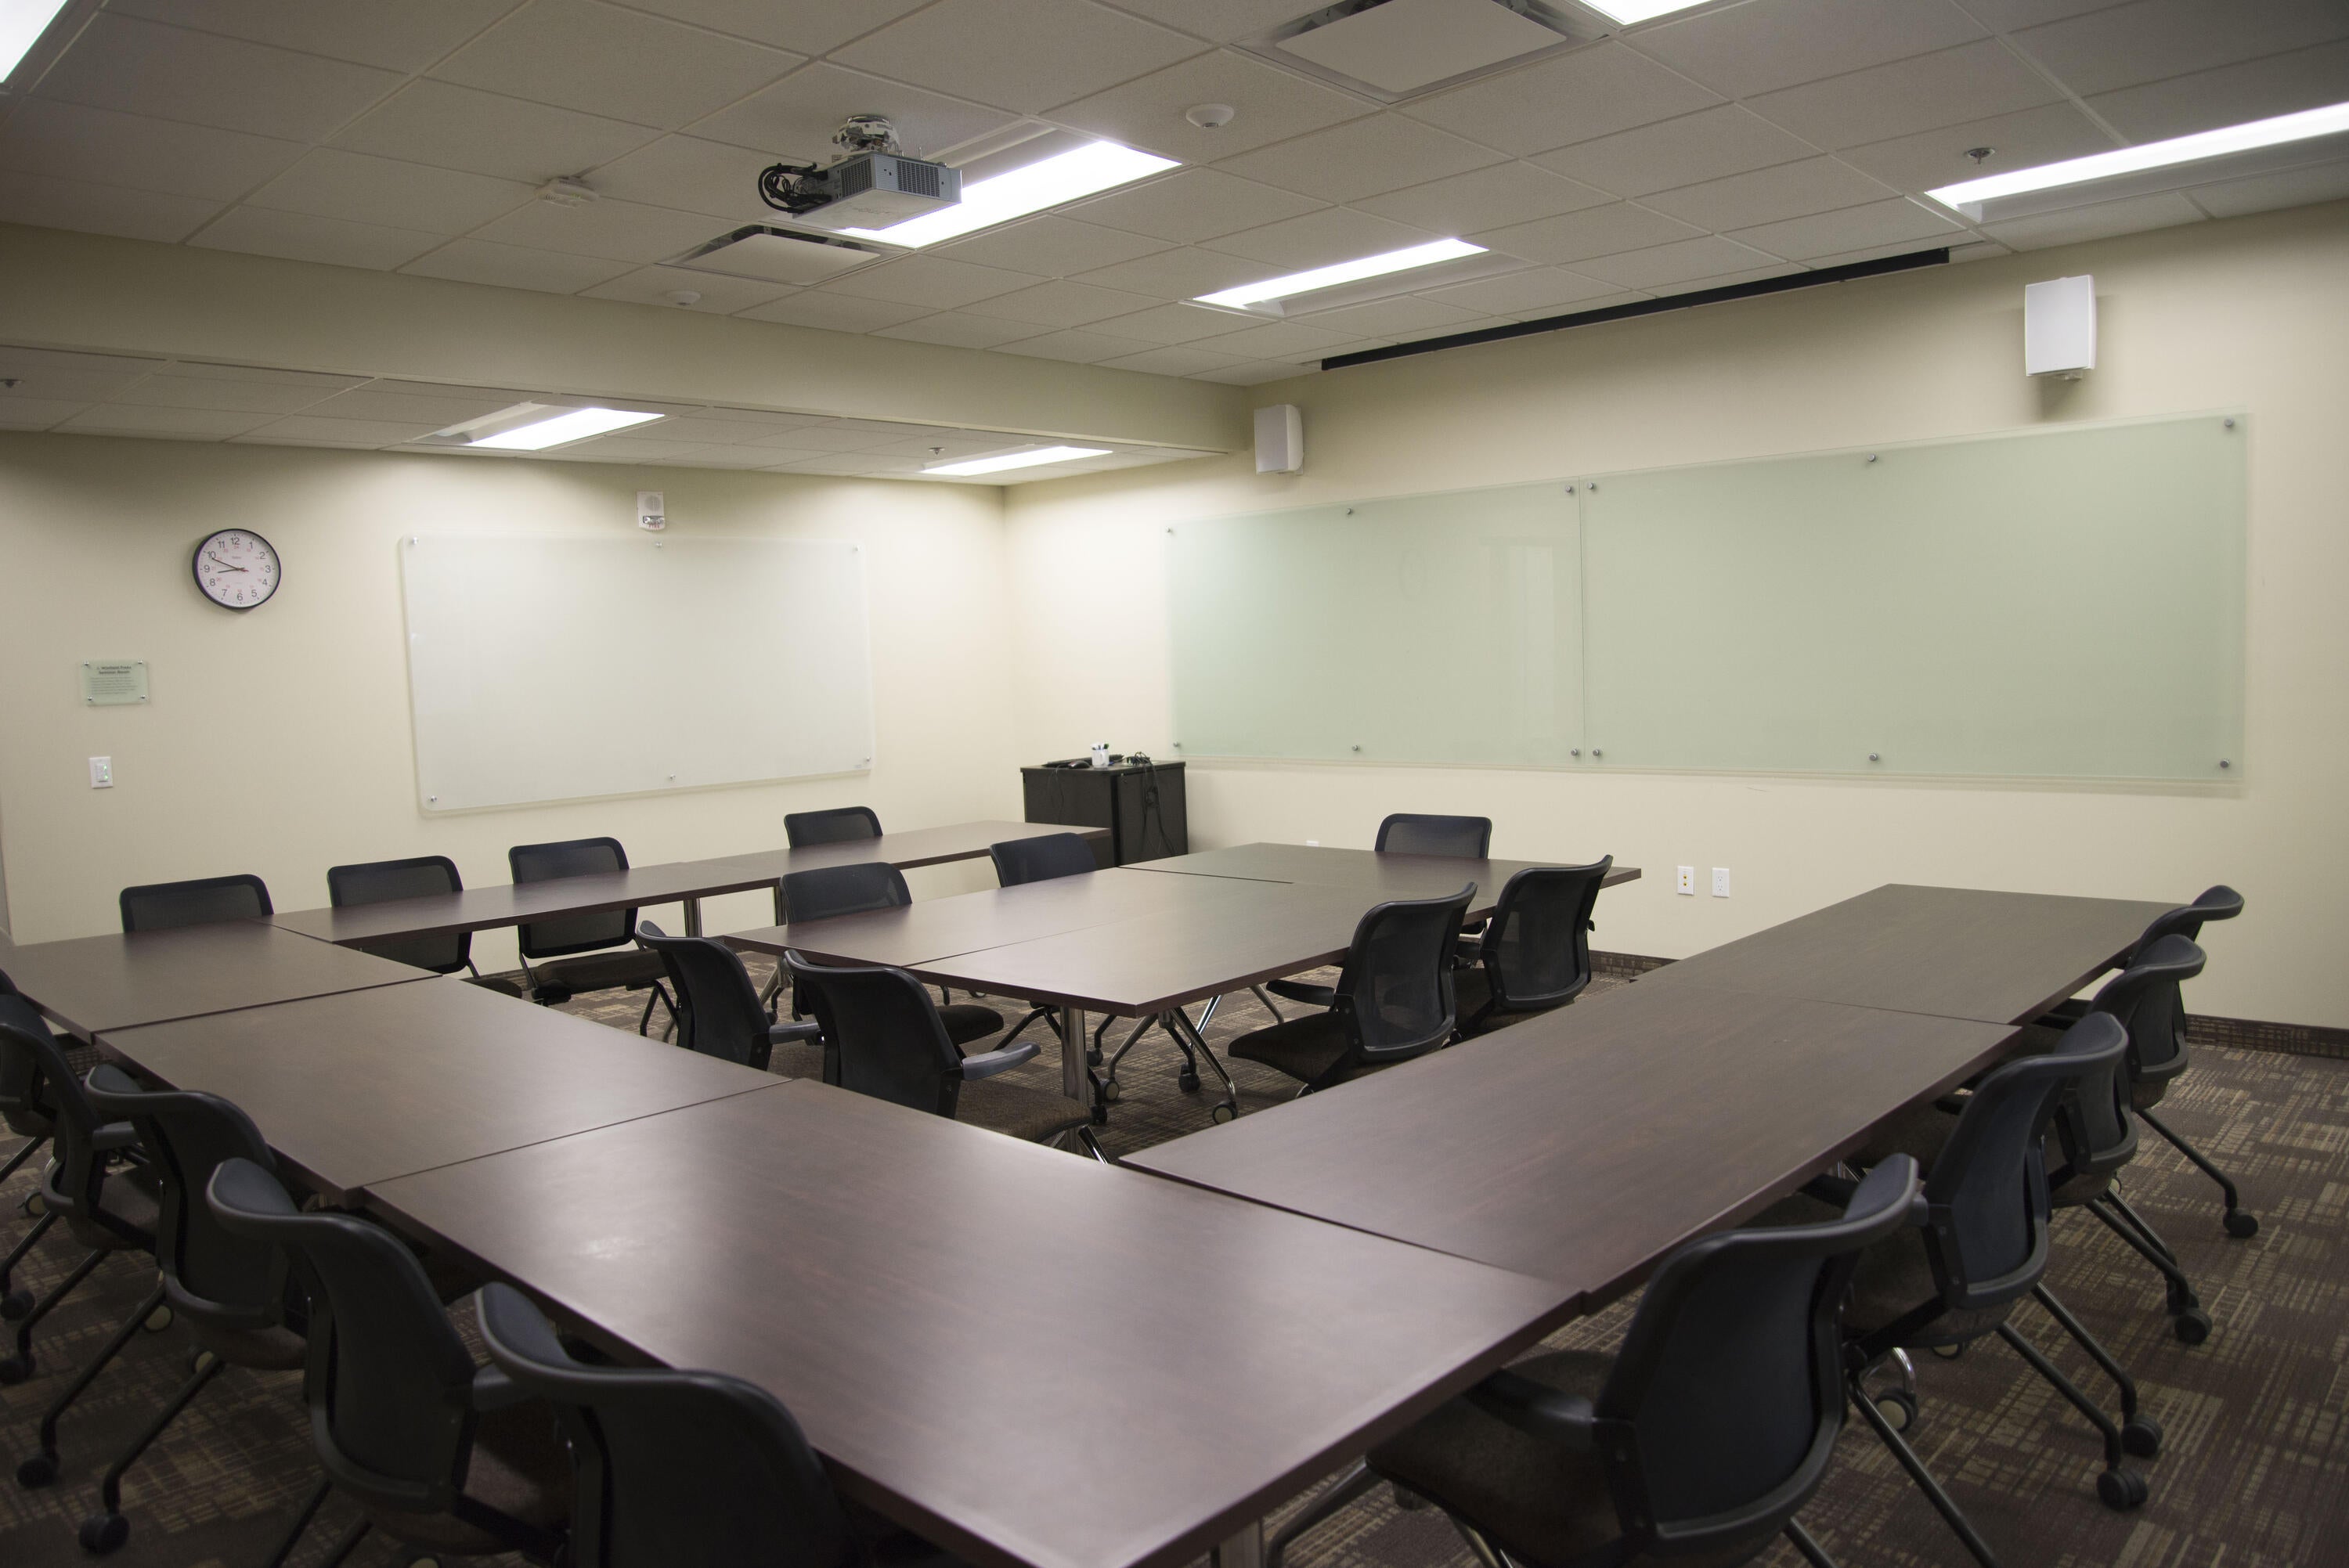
point(2239, 1222)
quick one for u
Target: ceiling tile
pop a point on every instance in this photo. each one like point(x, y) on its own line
point(627, 449)
point(144, 67)
point(731, 430)
point(310, 429)
point(2231, 95)
point(850, 465)
point(1077, 348)
point(1174, 359)
point(1183, 274)
point(809, 26)
point(329, 183)
point(457, 128)
point(1593, 232)
point(1767, 44)
point(1362, 158)
point(599, 59)
point(2101, 222)
point(1788, 191)
point(724, 458)
point(1193, 205)
point(1272, 105)
point(721, 295)
point(1828, 233)
point(2006, 15)
point(241, 393)
point(2266, 192)
point(1318, 239)
point(2048, 134)
point(931, 282)
point(298, 236)
point(1284, 340)
point(72, 141)
point(185, 424)
point(2145, 42)
point(405, 37)
point(1027, 56)
point(943, 444)
point(796, 117)
point(1966, 83)
point(693, 176)
point(1255, 373)
point(36, 413)
point(431, 411)
point(1972, 250)
point(1404, 316)
point(515, 267)
point(1050, 247)
point(1706, 145)
point(1062, 302)
point(1573, 97)
point(1220, 21)
point(1168, 323)
point(836, 313)
point(1485, 199)
point(1662, 267)
point(827, 438)
point(956, 330)
point(615, 231)
point(61, 376)
point(1541, 289)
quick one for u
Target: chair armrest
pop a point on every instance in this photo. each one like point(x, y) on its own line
point(1301, 991)
point(800, 1030)
point(113, 1135)
point(493, 1390)
point(992, 1062)
point(1537, 1410)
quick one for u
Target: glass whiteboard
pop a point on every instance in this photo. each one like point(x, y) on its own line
point(2057, 603)
point(550, 668)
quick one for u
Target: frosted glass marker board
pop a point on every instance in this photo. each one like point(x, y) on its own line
point(550, 667)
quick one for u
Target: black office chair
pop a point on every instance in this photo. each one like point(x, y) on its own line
point(380, 881)
point(881, 1037)
point(25, 1113)
point(1699, 1440)
point(1046, 858)
point(438, 1454)
point(718, 1012)
point(580, 944)
point(860, 889)
point(1410, 834)
point(1393, 999)
point(840, 824)
point(159, 906)
point(1534, 953)
point(1976, 1246)
point(231, 1293)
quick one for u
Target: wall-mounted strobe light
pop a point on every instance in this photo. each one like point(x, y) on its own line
point(1032, 458)
point(1403, 261)
point(536, 427)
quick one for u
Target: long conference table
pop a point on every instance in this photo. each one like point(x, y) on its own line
point(1034, 1358)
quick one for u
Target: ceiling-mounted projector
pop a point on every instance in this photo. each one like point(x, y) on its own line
point(873, 187)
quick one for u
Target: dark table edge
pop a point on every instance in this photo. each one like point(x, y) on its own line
point(94, 1035)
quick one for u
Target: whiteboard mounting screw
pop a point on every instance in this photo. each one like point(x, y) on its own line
point(1871, 457)
point(1358, 749)
point(1569, 490)
point(1873, 757)
point(2228, 423)
point(1595, 752)
point(1575, 751)
point(672, 778)
point(1594, 486)
point(432, 800)
point(2224, 763)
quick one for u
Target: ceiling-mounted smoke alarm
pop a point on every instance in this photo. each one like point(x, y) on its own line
point(1397, 49)
point(1210, 116)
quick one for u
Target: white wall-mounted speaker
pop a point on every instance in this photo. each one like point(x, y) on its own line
point(1279, 439)
point(2059, 327)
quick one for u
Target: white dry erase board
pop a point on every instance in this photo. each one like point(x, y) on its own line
point(553, 668)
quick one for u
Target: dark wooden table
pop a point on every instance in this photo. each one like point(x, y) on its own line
point(354, 1089)
point(1387, 875)
point(1961, 953)
point(1582, 1146)
point(643, 887)
point(1028, 1357)
point(93, 983)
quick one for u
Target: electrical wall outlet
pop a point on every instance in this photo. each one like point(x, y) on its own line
point(1688, 881)
point(1721, 882)
point(101, 772)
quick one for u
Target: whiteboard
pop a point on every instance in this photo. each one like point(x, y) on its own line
point(552, 668)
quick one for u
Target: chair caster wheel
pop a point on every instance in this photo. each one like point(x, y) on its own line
point(424, 1562)
point(2142, 1436)
point(102, 1533)
point(15, 1369)
point(157, 1321)
point(16, 1305)
point(2121, 1490)
point(1187, 1081)
point(1898, 1409)
point(199, 1359)
point(2193, 1326)
point(1947, 1352)
point(1222, 1111)
point(1111, 1092)
point(36, 1473)
point(34, 1206)
point(2241, 1223)
point(1092, 1058)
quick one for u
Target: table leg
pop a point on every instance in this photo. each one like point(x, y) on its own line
point(1244, 1548)
point(1073, 1040)
point(693, 917)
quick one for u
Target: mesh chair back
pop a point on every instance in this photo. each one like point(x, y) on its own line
point(881, 1028)
point(1721, 1414)
point(76, 1175)
point(2158, 1037)
point(378, 881)
point(1988, 1239)
point(857, 889)
point(1536, 950)
point(687, 1470)
point(1041, 859)
point(1408, 833)
point(718, 1012)
point(21, 1107)
point(210, 1273)
point(838, 825)
point(571, 932)
point(1395, 991)
point(159, 906)
point(2219, 902)
point(2092, 1123)
point(389, 1380)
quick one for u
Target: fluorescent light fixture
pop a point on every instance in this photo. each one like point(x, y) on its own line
point(1972, 197)
point(1082, 172)
point(1027, 460)
point(1402, 260)
point(22, 23)
point(536, 427)
point(1629, 11)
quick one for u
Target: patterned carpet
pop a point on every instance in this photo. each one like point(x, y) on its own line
point(2255, 1473)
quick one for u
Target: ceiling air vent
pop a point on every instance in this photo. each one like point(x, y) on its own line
point(779, 256)
point(1397, 49)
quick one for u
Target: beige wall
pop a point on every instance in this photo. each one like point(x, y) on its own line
point(278, 741)
point(2251, 313)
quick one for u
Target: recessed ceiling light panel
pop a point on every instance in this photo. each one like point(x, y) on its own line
point(1086, 169)
point(1426, 255)
point(536, 427)
point(997, 462)
point(22, 23)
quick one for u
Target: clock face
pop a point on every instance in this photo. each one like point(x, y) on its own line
point(237, 568)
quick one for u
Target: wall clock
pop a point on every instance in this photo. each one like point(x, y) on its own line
point(237, 568)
